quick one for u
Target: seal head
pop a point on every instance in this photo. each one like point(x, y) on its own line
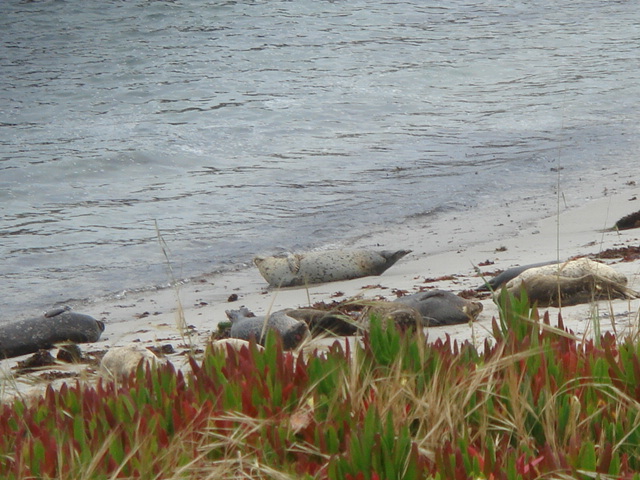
point(245, 325)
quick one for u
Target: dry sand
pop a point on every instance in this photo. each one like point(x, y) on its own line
point(447, 246)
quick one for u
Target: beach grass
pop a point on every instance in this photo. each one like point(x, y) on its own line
point(534, 401)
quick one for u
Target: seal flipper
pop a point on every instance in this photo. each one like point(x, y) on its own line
point(293, 260)
point(56, 311)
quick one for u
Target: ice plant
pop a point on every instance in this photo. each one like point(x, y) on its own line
point(536, 402)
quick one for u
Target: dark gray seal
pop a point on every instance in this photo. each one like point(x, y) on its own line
point(438, 307)
point(56, 326)
point(325, 266)
point(627, 223)
point(322, 321)
point(245, 325)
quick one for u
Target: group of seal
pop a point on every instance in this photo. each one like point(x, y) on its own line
point(43, 332)
point(545, 284)
point(423, 309)
point(549, 283)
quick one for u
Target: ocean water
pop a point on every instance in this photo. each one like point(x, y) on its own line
point(230, 128)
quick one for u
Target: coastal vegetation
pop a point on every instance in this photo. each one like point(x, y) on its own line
point(534, 401)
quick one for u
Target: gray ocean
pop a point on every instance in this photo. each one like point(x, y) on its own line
point(231, 128)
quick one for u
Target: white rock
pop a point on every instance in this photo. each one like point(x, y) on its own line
point(236, 344)
point(121, 361)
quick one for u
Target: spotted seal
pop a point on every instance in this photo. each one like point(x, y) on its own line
point(245, 325)
point(439, 307)
point(499, 280)
point(325, 266)
point(570, 283)
point(43, 332)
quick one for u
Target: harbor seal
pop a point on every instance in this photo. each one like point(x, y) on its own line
point(43, 332)
point(439, 307)
point(404, 317)
point(499, 280)
point(245, 325)
point(322, 321)
point(628, 222)
point(325, 266)
point(570, 283)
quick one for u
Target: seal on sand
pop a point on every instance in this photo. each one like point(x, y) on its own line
point(626, 223)
point(245, 325)
point(570, 283)
point(57, 326)
point(325, 266)
point(499, 280)
point(438, 307)
point(404, 317)
point(322, 321)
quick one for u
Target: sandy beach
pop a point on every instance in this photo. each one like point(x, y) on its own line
point(449, 246)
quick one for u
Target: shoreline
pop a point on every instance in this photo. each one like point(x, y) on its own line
point(446, 251)
point(507, 209)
